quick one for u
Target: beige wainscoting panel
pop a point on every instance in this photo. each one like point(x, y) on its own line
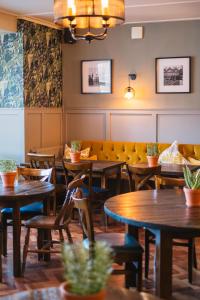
point(51, 129)
point(181, 127)
point(43, 128)
point(133, 127)
point(12, 134)
point(33, 127)
point(86, 126)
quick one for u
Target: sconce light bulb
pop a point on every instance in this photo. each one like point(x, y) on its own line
point(129, 93)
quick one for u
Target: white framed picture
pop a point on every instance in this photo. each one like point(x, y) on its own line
point(173, 75)
point(96, 76)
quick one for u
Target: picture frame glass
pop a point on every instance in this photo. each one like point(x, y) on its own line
point(173, 75)
point(97, 77)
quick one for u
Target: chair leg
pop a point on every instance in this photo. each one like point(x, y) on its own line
point(1, 272)
point(139, 274)
point(194, 256)
point(130, 275)
point(25, 252)
point(4, 233)
point(40, 238)
point(146, 253)
point(190, 260)
point(69, 235)
point(61, 236)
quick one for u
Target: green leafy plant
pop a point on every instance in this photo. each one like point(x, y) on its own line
point(87, 274)
point(152, 149)
point(7, 166)
point(75, 146)
point(192, 179)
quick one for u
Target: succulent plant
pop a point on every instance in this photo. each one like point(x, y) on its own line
point(7, 165)
point(75, 146)
point(192, 179)
point(152, 149)
point(87, 274)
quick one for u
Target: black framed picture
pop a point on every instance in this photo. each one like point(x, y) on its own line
point(173, 75)
point(96, 76)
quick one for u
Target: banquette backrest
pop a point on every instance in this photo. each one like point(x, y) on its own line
point(133, 152)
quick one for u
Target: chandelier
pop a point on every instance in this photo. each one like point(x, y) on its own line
point(88, 19)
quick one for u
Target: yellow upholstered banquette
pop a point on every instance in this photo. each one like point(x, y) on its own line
point(132, 152)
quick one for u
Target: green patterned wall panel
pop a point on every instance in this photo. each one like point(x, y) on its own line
point(42, 65)
point(11, 70)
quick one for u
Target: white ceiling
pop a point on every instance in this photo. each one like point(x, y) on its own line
point(137, 11)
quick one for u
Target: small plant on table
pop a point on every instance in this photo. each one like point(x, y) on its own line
point(86, 271)
point(152, 154)
point(192, 189)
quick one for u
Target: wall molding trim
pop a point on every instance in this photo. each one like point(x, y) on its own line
point(133, 125)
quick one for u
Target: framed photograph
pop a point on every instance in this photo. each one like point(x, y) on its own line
point(96, 76)
point(173, 75)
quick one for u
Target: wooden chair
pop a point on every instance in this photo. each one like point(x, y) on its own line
point(1, 244)
point(168, 182)
point(30, 210)
point(127, 250)
point(42, 223)
point(44, 161)
point(95, 194)
point(140, 176)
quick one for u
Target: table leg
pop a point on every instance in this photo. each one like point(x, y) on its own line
point(103, 181)
point(132, 230)
point(16, 242)
point(163, 264)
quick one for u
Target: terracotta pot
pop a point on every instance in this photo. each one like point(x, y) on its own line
point(8, 178)
point(67, 296)
point(75, 157)
point(192, 197)
point(152, 161)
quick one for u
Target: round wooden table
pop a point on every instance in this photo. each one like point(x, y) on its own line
point(21, 194)
point(168, 170)
point(165, 214)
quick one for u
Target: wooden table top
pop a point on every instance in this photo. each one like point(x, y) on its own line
point(25, 189)
point(98, 165)
point(54, 294)
point(169, 169)
point(162, 209)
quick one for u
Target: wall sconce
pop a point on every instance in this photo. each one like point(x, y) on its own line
point(129, 91)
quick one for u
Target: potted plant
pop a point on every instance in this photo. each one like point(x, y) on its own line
point(192, 188)
point(86, 272)
point(75, 152)
point(8, 172)
point(152, 155)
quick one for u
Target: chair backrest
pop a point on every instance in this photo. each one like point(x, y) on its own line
point(43, 161)
point(73, 190)
point(85, 215)
point(168, 182)
point(77, 170)
point(140, 176)
point(35, 174)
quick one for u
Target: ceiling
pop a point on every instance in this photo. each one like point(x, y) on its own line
point(137, 11)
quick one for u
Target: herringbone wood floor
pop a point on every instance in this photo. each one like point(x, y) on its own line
point(41, 274)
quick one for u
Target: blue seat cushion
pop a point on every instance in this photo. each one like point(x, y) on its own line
point(33, 208)
point(96, 190)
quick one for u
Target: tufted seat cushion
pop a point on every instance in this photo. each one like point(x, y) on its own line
point(133, 152)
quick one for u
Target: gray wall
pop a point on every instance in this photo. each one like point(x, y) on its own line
point(160, 40)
